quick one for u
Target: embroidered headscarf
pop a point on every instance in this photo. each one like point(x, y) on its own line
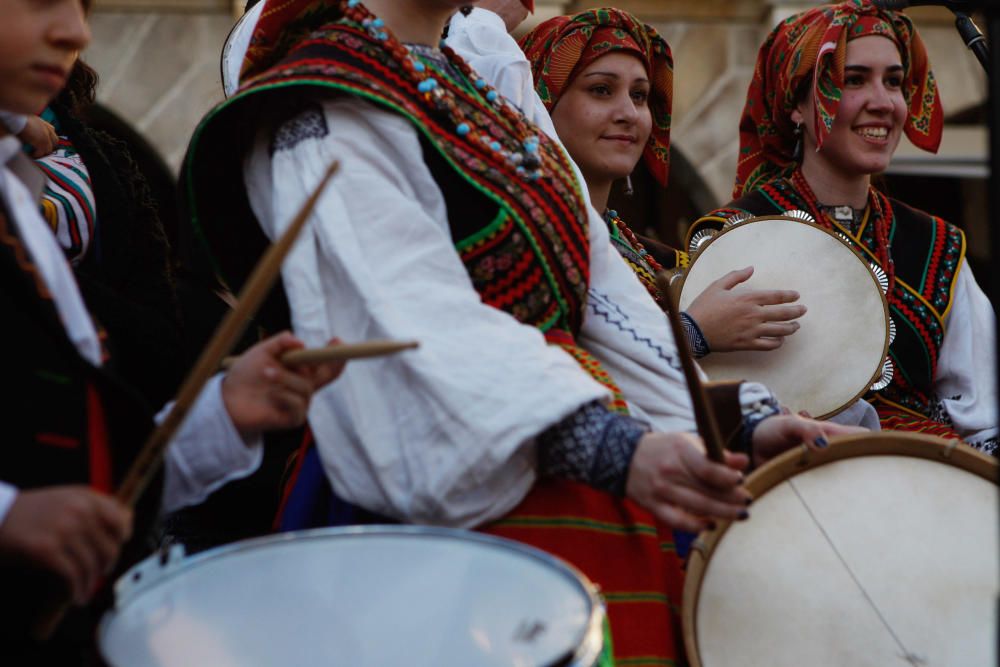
point(283, 24)
point(813, 45)
point(562, 47)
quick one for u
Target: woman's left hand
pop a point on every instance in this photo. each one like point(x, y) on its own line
point(40, 135)
point(262, 394)
point(779, 433)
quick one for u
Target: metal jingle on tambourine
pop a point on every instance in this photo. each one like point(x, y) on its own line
point(880, 275)
point(799, 214)
point(892, 331)
point(699, 239)
point(887, 372)
point(738, 219)
point(844, 237)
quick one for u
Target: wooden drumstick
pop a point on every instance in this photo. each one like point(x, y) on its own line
point(150, 458)
point(704, 416)
point(338, 352)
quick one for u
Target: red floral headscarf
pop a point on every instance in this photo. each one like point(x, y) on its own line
point(814, 44)
point(562, 47)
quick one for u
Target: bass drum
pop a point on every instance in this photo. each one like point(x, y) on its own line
point(880, 550)
point(362, 596)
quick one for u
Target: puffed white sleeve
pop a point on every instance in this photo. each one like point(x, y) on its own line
point(443, 434)
point(207, 452)
point(966, 372)
point(482, 40)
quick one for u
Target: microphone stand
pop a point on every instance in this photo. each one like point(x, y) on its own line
point(973, 38)
point(991, 10)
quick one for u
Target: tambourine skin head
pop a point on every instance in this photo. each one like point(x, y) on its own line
point(878, 550)
point(842, 341)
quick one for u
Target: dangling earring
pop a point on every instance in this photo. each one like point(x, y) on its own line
point(797, 152)
point(628, 186)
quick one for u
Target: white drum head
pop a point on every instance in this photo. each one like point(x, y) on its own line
point(838, 352)
point(868, 561)
point(373, 596)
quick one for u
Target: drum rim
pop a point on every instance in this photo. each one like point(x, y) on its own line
point(584, 653)
point(861, 258)
point(776, 471)
point(227, 45)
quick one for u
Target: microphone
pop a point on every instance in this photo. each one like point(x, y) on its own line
point(954, 5)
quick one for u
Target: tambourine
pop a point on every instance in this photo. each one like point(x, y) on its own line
point(839, 352)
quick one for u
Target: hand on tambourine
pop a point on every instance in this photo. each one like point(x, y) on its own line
point(72, 531)
point(513, 12)
point(776, 435)
point(262, 394)
point(671, 477)
point(40, 135)
point(747, 319)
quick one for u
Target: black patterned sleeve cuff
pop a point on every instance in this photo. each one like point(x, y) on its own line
point(696, 339)
point(593, 446)
point(753, 415)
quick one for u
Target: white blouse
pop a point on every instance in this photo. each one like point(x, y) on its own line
point(443, 434)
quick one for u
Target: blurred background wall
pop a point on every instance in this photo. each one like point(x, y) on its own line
point(159, 67)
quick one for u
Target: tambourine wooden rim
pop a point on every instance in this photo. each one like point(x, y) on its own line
point(861, 258)
point(780, 469)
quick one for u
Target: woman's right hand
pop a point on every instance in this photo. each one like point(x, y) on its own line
point(72, 531)
point(745, 320)
point(671, 477)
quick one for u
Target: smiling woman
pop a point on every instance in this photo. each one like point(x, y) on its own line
point(605, 118)
point(607, 81)
point(835, 89)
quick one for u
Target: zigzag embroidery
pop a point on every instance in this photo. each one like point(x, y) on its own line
point(603, 306)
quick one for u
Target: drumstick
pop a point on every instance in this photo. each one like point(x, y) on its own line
point(704, 416)
point(343, 351)
point(148, 462)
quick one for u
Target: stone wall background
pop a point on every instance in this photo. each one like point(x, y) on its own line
point(159, 67)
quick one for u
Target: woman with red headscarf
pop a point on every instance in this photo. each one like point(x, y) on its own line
point(603, 82)
point(833, 91)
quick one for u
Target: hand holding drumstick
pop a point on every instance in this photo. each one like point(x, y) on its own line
point(269, 386)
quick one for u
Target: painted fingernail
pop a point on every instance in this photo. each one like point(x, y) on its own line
point(743, 516)
point(710, 525)
point(821, 442)
point(749, 502)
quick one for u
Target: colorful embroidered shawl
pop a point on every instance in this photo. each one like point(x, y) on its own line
point(812, 46)
point(562, 47)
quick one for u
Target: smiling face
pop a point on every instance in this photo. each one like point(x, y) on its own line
point(871, 115)
point(604, 119)
point(39, 42)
